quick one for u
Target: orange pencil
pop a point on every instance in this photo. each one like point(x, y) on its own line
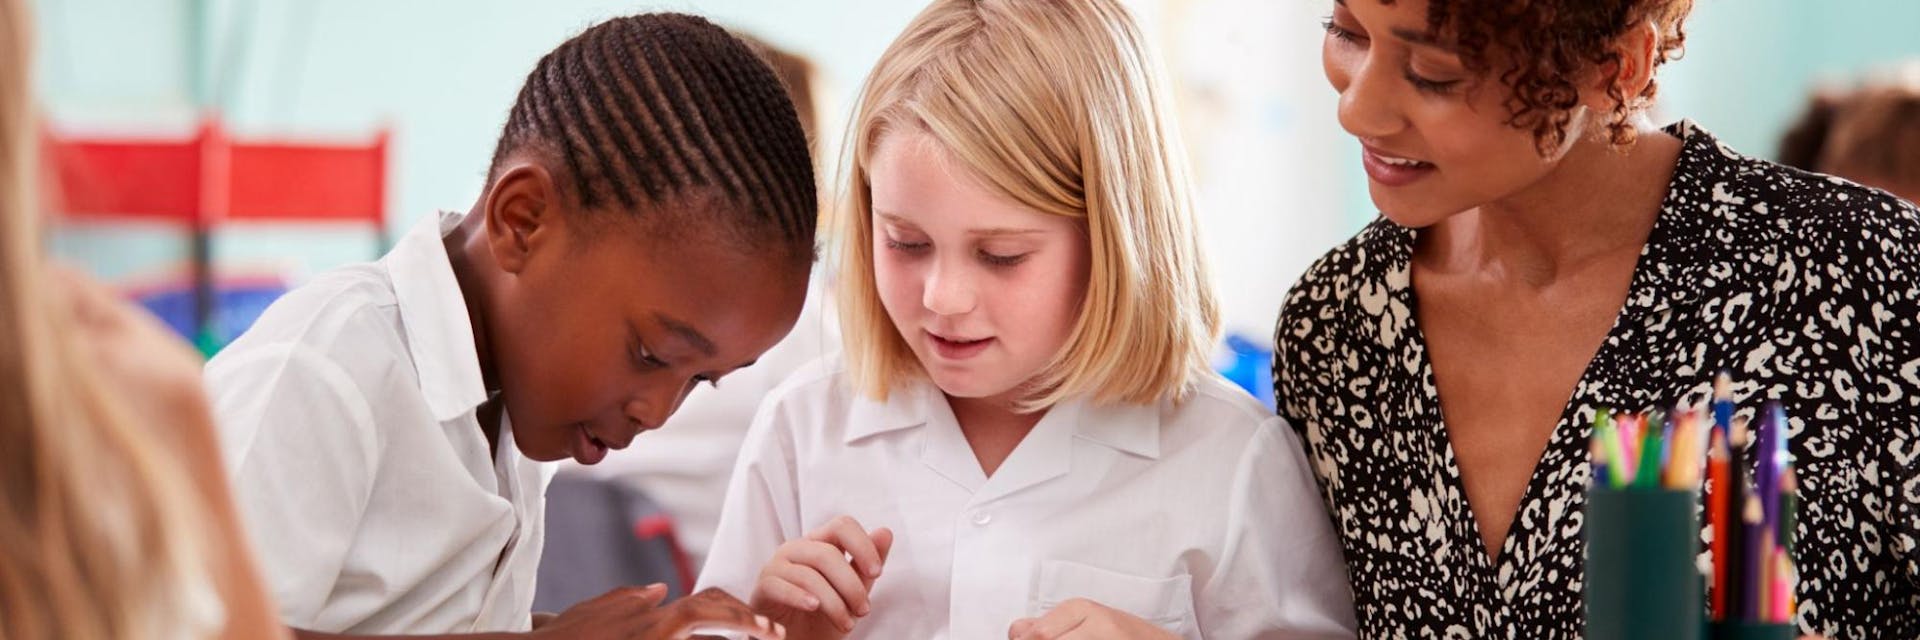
point(1763, 603)
point(1684, 458)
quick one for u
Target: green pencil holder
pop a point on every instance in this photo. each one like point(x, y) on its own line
point(1641, 579)
point(1754, 631)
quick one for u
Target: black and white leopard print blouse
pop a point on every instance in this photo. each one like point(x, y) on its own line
point(1802, 285)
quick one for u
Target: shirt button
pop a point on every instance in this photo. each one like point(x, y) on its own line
point(981, 518)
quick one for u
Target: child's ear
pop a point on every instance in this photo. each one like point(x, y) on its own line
point(521, 208)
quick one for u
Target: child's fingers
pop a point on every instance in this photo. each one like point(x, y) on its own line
point(883, 543)
point(713, 611)
point(776, 591)
point(831, 604)
point(759, 628)
point(1057, 623)
point(847, 534)
point(831, 564)
point(648, 596)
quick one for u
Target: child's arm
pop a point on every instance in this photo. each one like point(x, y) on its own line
point(1281, 572)
point(631, 613)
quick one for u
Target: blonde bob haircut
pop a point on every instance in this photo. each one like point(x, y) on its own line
point(1059, 106)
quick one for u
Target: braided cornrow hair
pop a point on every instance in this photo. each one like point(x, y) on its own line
point(666, 107)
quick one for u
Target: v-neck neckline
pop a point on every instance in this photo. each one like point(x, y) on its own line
point(1573, 428)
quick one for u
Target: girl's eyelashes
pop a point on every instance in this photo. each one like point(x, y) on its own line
point(908, 247)
point(643, 359)
point(985, 256)
point(998, 260)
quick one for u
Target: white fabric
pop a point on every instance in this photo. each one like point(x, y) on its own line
point(1201, 517)
point(347, 419)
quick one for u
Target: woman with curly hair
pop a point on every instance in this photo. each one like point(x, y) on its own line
point(1545, 250)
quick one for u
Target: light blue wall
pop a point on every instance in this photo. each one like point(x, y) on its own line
point(442, 74)
point(1750, 63)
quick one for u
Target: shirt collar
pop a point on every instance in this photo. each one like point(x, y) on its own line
point(1131, 428)
point(434, 315)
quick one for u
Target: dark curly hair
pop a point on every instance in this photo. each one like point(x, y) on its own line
point(1543, 46)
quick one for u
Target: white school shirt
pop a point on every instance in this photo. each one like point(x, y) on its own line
point(347, 420)
point(1200, 517)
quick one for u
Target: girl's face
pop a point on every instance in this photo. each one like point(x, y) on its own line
point(1435, 138)
point(984, 290)
point(598, 339)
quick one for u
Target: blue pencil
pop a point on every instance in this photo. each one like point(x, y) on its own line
point(1723, 402)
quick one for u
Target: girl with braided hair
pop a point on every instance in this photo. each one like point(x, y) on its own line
point(646, 225)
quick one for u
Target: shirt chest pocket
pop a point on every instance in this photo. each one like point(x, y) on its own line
point(1165, 602)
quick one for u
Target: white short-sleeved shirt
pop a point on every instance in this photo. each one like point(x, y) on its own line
point(1201, 516)
point(347, 420)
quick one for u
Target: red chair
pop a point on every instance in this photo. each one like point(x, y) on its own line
point(209, 179)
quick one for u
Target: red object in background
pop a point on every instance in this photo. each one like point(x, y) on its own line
point(660, 526)
point(209, 179)
point(212, 178)
point(308, 182)
point(157, 179)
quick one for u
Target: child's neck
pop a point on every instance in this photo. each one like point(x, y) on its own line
point(467, 254)
point(992, 428)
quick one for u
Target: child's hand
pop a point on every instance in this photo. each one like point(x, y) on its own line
point(810, 585)
point(634, 613)
point(1079, 619)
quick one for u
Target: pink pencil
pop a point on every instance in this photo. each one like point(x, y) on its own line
point(1783, 586)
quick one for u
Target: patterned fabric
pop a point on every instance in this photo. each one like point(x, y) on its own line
point(1803, 285)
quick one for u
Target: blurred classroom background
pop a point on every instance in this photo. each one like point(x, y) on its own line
point(400, 104)
point(1280, 182)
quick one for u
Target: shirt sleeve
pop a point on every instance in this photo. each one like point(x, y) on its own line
point(301, 448)
point(1280, 573)
point(761, 511)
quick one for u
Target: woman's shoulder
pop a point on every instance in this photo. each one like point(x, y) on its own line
point(1830, 220)
point(1347, 299)
point(1367, 260)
